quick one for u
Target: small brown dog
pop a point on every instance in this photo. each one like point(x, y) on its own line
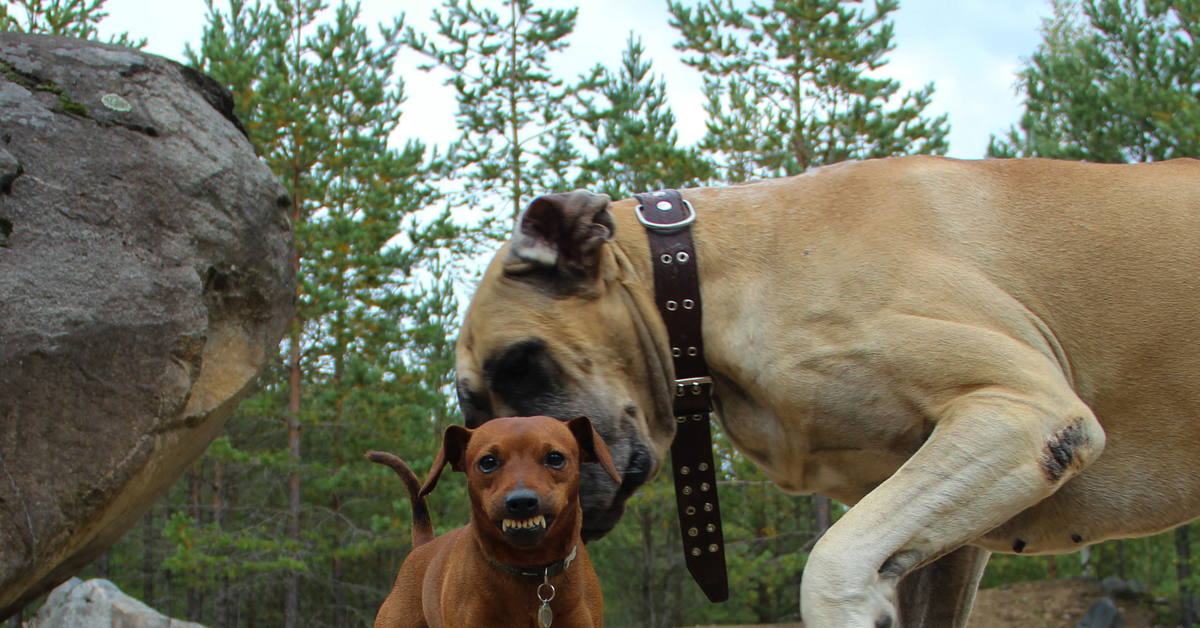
point(520, 561)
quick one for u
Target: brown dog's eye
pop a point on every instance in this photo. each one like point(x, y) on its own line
point(555, 460)
point(488, 463)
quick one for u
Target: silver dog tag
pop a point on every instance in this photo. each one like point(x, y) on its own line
point(545, 615)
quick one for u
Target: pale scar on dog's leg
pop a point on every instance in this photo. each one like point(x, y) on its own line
point(993, 454)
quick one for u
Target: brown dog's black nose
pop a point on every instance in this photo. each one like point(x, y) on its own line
point(521, 504)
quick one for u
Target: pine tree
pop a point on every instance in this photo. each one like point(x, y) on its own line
point(631, 129)
point(516, 139)
point(1113, 81)
point(295, 514)
point(74, 18)
point(788, 86)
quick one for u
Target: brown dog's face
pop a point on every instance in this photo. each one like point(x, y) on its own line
point(553, 330)
point(523, 478)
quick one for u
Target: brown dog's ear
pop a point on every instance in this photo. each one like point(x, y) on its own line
point(591, 446)
point(561, 230)
point(454, 445)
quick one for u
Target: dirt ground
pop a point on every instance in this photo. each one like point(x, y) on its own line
point(1042, 604)
point(1049, 604)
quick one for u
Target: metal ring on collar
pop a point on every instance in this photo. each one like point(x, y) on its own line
point(640, 212)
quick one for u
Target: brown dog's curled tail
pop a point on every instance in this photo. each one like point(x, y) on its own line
point(422, 525)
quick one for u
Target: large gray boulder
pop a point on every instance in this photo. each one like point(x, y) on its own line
point(145, 278)
point(99, 604)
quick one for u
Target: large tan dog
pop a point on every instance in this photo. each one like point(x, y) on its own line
point(990, 356)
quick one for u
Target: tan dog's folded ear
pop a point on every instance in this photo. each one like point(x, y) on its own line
point(591, 446)
point(454, 445)
point(561, 230)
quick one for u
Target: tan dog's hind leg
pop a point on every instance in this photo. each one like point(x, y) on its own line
point(993, 453)
point(942, 592)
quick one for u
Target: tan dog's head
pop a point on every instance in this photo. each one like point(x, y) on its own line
point(560, 327)
point(523, 478)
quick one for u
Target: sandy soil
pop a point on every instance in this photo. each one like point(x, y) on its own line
point(1042, 604)
point(1048, 604)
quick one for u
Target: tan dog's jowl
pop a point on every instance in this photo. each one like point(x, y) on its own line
point(523, 479)
point(990, 356)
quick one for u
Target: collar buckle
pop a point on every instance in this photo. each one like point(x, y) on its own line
point(640, 212)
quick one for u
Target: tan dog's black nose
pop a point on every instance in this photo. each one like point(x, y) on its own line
point(522, 504)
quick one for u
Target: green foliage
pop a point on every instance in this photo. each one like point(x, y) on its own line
point(74, 18)
point(517, 135)
point(789, 88)
point(767, 534)
point(1118, 82)
point(631, 129)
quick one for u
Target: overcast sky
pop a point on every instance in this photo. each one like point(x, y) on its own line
point(969, 49)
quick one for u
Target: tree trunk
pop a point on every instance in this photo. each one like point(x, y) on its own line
point(679, 573)
point(824, 514)
point(1052, 567)
point(1183, 571)
point(339, 595)
point(195, 596)
point(648, 597)
point(104, 566)
point(291, 606)
point(1121, 559)
point(762, 608)
point(164, 606)
point(223, 609)
point(148, 559)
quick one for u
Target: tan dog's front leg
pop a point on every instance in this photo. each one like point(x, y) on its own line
point(993, 454)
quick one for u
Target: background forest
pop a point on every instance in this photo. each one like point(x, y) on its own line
point(283, 523)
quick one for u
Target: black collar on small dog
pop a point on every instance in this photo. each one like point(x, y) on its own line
point(543, 571)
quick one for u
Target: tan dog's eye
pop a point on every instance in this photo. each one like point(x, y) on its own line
point(488, 463)
point(555, 460)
